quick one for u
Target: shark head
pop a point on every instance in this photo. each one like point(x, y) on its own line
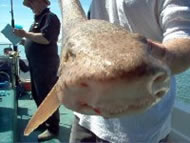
point(108, 71)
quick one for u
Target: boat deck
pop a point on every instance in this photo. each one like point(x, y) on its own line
point(26, 108)
point(8, 116)
point(23, 111)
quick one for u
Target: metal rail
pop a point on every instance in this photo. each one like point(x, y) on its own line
point(4, 44)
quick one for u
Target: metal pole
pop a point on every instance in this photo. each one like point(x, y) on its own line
point(13, 23)
point(15, 48)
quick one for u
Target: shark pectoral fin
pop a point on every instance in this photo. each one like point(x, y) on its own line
point(45, 110)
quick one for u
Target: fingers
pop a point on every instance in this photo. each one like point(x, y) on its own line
point(19, 32)
point(156, 49)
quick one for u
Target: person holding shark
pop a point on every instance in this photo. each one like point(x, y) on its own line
point(164, 21)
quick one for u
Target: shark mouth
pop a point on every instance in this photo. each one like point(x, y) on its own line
point(108, 112)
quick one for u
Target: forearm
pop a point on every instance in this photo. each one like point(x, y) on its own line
point(178, 54)
point(36, 37)
point(175, 53)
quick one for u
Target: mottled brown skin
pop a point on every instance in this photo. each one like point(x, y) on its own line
point(105, 70)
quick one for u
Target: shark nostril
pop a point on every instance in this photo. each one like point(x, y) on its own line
point(161, 77)
point(160, 84)
point(160, 93)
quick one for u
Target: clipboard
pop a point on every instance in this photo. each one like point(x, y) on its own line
point(8, 33)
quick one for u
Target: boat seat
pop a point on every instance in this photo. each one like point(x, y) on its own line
point(8, 115)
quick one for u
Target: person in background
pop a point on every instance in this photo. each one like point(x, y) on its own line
point(42, 53)
point(166, 23)
point(22, 65)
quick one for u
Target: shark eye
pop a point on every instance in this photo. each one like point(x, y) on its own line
point(160, 93)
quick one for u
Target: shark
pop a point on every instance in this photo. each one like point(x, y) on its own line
point(105, 70)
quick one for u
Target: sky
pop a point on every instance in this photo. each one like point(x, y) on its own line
point(23, 15)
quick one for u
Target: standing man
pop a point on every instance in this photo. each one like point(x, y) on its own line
point(164, 21)
point(42, 53)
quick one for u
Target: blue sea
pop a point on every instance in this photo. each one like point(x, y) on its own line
point(183, 79)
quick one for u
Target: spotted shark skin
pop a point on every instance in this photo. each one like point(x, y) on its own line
point(105, 70)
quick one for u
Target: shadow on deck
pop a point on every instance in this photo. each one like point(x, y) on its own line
point(26, 108)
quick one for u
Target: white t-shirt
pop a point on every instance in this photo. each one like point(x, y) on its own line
point(159, 20)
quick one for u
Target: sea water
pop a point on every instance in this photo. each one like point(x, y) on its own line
point(183, 79)
point(183, 86)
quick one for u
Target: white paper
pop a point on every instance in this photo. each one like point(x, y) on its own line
point(8, 33)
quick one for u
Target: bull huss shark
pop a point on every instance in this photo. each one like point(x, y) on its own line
point(104, 70)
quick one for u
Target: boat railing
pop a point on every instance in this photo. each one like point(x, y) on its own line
point(6, 44)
